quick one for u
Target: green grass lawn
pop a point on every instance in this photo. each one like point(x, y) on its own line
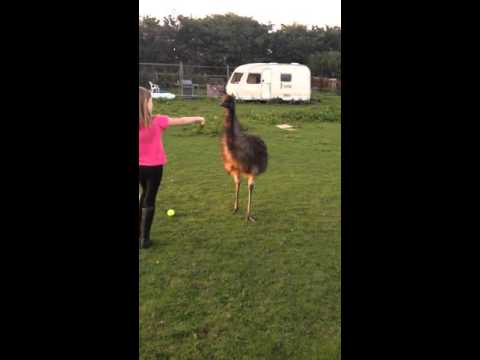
point(216, 287)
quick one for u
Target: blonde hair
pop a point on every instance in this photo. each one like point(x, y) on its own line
point(144, 115)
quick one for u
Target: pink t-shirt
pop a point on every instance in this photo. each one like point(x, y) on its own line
point(151, 151)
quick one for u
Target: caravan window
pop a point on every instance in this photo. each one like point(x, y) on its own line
point(253, 78)
point(236, 78)
point(286, 77)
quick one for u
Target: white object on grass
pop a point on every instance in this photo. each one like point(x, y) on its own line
point(158, 94)
point(286, 127)
point(168, 96)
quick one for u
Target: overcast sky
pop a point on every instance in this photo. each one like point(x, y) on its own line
point(306, 12)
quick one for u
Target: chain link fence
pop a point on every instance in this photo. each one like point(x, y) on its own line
point(189, 81)
point(185, 80)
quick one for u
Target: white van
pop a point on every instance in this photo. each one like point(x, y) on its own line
point(268, 81)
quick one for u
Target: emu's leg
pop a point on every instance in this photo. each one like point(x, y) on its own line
point(236, 179)
point(251, 184)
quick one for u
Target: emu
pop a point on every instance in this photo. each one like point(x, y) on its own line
point(243, 154)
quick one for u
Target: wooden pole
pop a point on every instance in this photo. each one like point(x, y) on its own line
point(180, 75)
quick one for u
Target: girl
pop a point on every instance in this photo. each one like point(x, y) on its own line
point(152, 158)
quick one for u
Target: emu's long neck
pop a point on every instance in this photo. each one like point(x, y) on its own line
point(231, 125)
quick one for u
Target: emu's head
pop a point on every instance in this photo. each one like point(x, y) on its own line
point(228, 102)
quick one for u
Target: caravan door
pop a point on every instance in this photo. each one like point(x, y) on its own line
point(267, 84)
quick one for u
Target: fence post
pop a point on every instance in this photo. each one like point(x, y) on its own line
point(180, 75)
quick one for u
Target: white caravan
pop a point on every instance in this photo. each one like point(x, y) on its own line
point(268, 81)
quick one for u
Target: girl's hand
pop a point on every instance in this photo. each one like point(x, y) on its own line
point(187, 120)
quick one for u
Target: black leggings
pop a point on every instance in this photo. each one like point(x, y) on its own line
point(150, 178)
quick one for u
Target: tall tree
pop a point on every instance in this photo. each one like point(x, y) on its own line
point(326, 63)
point(157, 41)
point(217, 40)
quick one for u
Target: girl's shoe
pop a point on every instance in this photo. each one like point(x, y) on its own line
point(145, 225)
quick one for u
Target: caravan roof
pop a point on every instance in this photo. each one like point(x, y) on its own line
point(260, 66)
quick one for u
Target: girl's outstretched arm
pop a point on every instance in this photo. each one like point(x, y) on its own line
point(187, 120)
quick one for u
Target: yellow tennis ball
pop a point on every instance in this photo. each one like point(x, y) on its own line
point(171, 212)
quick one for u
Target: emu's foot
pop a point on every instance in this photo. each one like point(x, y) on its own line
point(250, 218)
point(235, 210)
